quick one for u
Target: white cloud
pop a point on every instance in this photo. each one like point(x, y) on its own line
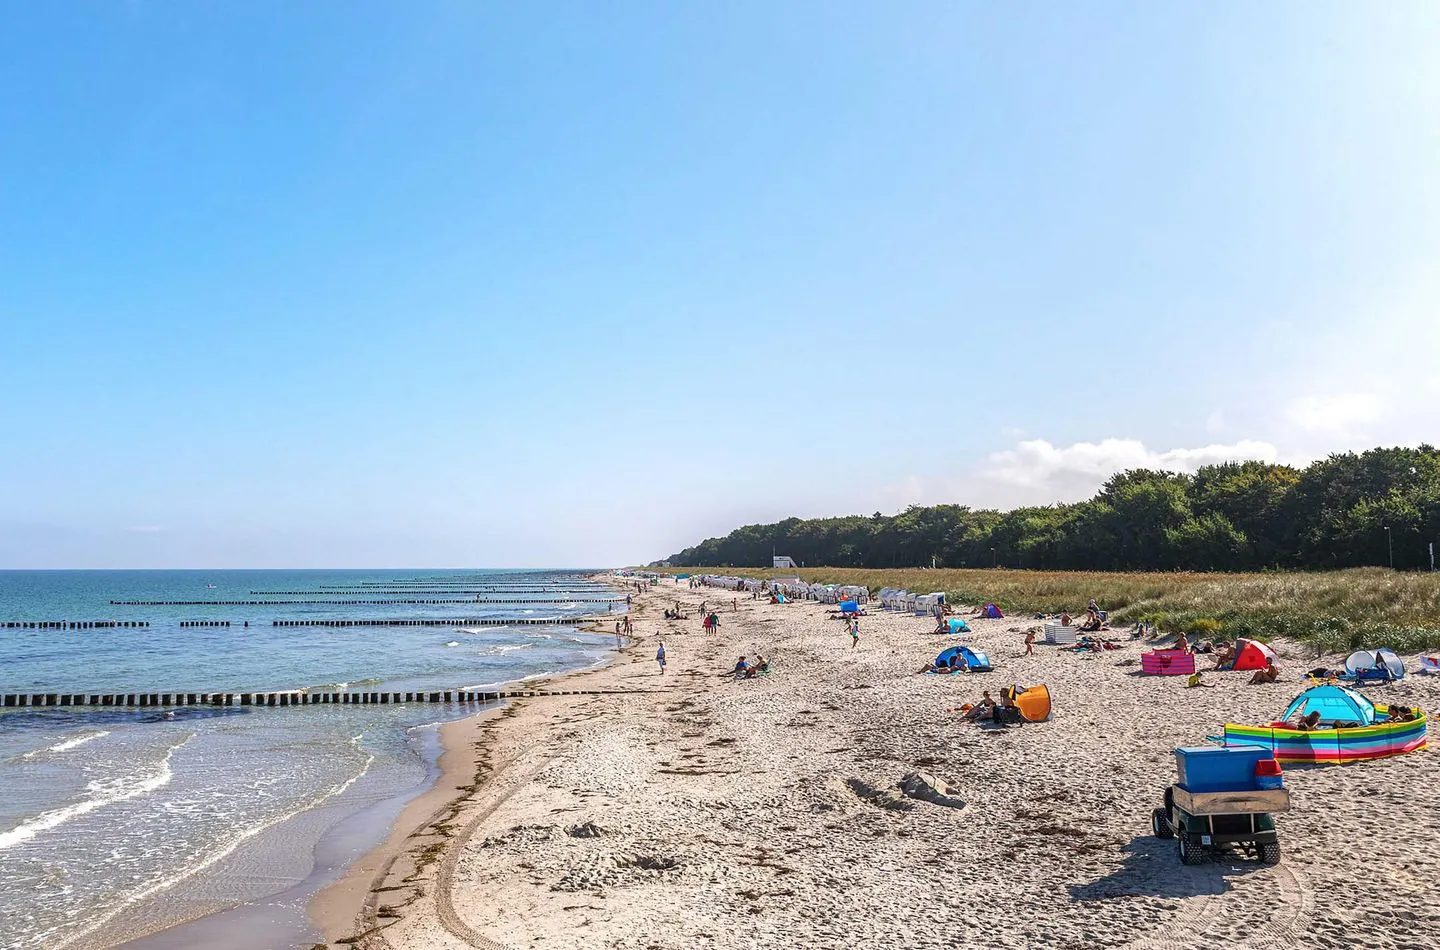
point(1337, 413)
point(1076, 471)
point(1036, 472)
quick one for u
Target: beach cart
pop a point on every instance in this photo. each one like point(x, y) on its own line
point(1224, 800)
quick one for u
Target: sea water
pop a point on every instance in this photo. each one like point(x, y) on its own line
point(115, 823)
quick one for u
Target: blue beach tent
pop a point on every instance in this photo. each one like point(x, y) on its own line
point(1334, 704)
point(849, 607)
point(977, 662)
point(957, 625)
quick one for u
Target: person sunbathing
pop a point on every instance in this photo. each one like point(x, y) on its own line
point(741, 668)
point(1064, 619)
point(1182, 642)
point(1400, 714)
point(1224, 657)
point(761, 665)
point(982, 708)
point(1007, 712)
point(1308, 722)
point(1268, 675)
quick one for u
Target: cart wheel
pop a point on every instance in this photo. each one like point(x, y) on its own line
point(1190, 852)
point(1160, 824)
point(1270, 853)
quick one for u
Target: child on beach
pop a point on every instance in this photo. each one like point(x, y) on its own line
point(854, 632)
point(1029, 642)
point(660, 657)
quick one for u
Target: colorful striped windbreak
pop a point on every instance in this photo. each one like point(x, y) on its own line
point(1333, 745)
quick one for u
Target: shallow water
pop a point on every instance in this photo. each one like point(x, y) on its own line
point(116, 822)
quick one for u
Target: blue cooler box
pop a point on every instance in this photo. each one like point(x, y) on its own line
point(1229, 769)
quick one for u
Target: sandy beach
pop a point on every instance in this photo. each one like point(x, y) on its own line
point(695, 810)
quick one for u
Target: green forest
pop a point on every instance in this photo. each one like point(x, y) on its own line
point(1380, 507)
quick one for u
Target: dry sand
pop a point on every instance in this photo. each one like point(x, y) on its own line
point(700, 811)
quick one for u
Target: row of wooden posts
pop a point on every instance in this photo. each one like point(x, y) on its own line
point(440, 622)
point(362, 622)
point(292, 603)
point(71, 624)
point(289, 698)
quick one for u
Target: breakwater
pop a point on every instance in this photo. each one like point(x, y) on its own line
point(443, 622)
point(71, 624)
point(388, 600)
point(280, 698)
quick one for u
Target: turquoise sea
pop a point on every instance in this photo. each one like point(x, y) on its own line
point(117, 823)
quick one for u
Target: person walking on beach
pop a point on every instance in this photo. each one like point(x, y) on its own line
point(660, 657)
point(714, 623)
point(854, 632)
point(1030, 642)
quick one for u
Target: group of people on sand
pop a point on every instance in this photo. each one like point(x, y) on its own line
point(1000, 713)
point(711, 623)
point(744, 669)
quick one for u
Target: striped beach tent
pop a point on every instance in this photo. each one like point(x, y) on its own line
point(1351, 729)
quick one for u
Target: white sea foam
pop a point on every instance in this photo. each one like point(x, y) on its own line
point(102, 793)
point(73, 742)
point(226, 848)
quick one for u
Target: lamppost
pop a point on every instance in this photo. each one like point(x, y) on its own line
point(1390, 545)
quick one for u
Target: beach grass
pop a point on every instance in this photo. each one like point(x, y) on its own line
point(1335, 610)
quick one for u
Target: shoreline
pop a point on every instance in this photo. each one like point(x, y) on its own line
point(336, 887)
point(346, 907)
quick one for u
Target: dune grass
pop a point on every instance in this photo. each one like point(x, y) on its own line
point(1336, 610)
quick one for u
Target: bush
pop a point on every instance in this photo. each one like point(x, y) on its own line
point(1203, 627)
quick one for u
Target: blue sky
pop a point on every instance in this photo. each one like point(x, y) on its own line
point(374, 284)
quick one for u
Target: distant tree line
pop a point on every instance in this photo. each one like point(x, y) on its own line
point(1347, 510)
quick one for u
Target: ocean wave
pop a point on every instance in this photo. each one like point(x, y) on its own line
point(503, 648)
point(102, 793)
point(72, 743)
point(227, 847)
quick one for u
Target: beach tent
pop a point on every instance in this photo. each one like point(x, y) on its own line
point(1334, 704)
point(1359, 660)
point(991, 612)
point(1430, 664)
point(1381, 664)
point(1034, 702)
point(975, 662)
point(1385, 657)
point(978, 662)
point(951, 657)
point(1252, 655)
point(849, 607)
point(957, 625)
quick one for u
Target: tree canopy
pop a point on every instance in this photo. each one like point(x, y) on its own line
point(1347, 510)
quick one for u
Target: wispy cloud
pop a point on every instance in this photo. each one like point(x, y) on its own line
point(1037, 472)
